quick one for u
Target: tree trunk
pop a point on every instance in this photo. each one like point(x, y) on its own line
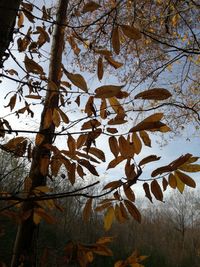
point(8, 13)
point(23, 252)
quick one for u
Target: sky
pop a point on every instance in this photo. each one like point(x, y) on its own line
point(175, 147)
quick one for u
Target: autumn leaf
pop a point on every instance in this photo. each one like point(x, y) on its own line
point(156, 190)
point(108, 218)
point(77, 80)
point(147, 191)
point(148, 159)
point(186, 179)
point(12, 102)
point(131, 32)
point(172, 180)
point(137, 143)
point(107, 91)
point(134, 212)
point(116, 40)
point(114, 63)
point(100, 70)
point(90, 7)
point(114, 147)
point(32, 67)
point(154, 94)
point(145, 138)
point(87, 209)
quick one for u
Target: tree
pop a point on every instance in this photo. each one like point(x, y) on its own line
point(96, 33)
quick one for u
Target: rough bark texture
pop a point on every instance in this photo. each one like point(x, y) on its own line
point(24, 248)
point(8, 13)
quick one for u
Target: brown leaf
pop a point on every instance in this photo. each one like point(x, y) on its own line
point(80, 171)
point(89, 166)
point(129, 192)
point(81, 140)
point(123, 211)
point(116, 106)
point(114, 63)
point(87, 210)
point(147, 191)
point(131, 32)
point(145, 138)
point(107, 91)
point(71, 144)
point(20, 19)
point(130, 171)
point(186, 179)
point(71, 171)
point(148, 159)
point(172, 181)
point(161, 170)
point(12, 102)
point(154, 94)
point(114, 148)
point(156, 190)
point(89, 107)
point(126, 149)
point(134, 212)
point(33, 67)
point(115, 162)
point(164, 183)
point(90, 7)
point(113, 185)
point(100, 70)
point(77, 80)
point(33, 96)
point(190, 167)
point(56, 117)
point(112, 130)
point(55, 166)
point(91, 124)
point(97, 152)
point(137, 143)
point(116, 40)
point(103, 111)
point(63, 116)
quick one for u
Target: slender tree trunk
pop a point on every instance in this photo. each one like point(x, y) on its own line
point(23, 252)
point(8, 13)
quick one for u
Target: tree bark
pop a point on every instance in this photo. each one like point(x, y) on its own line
point(23, 252)
point(8, 13)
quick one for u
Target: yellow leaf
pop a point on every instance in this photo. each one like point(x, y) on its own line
point(77, 80)
point(100, 70)
point(87, 210)
point(154, 94)
point(90, 7)
point(56, 117)
point(186, 179)
point(131, 32)
point(190, 167)
point(108, 218)
point(36, 218)
point(32, 67)
point(116, 40)
point(117, 107)
point(179, 184)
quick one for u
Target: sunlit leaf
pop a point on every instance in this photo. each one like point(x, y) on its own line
point(107, 91)
point(108, 218)
point(77, 80)
point(186, 179)
point(145, 138)
point(32, 67)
